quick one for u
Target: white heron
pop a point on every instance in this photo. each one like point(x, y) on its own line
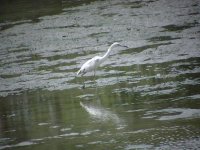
point(93, 63)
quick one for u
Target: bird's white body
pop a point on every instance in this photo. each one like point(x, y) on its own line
point(90, 65)
point(94, 62)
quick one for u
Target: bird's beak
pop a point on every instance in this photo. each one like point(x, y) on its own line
point(124, 46)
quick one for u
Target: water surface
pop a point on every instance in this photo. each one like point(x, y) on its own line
point(143, 97)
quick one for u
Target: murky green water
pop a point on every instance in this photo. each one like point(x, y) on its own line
point(144, 97)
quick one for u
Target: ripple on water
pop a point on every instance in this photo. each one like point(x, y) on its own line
point(190, 143)
point(21, 144)
point(69, 134)
point(173, 113)
point(43, 124)
point(89, 132)
point(141, 146)
point(65, 129)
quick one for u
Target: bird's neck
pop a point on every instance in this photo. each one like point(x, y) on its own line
point(107, 53)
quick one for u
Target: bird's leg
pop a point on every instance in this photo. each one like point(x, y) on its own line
point(94, 74)
point(83, 85)
point(95, 82)
point(83, 82)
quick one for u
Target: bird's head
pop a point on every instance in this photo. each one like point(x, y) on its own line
point(116, 43)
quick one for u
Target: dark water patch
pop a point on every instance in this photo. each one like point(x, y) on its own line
point(135, 4)
point(160, 83)
point(70, 11)
point(63, 56)
point(151, 1)
point(109, 14)
point(4, 26)
point(173, 28)
point(89, 26)
point(4, 76)
point(195, 4)
point(190, 65)
point(194, 13)
point(18, 57)
point(35, 57)
point(142, 48)
point(20, 49)
point(26, 9)
point(61, 27)
point(101, 34)
point(22, 59)
point(182, 54)
point(162, 38)
point(69, 4)
point(57, 67)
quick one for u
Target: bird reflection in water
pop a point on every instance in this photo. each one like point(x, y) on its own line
point(96, 111)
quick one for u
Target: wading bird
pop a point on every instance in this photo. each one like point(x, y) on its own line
point(92, 64)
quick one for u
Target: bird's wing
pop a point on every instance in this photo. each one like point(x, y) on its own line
point(89, 65)
point(92, 61)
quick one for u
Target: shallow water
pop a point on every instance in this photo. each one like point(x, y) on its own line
point(143, 97)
